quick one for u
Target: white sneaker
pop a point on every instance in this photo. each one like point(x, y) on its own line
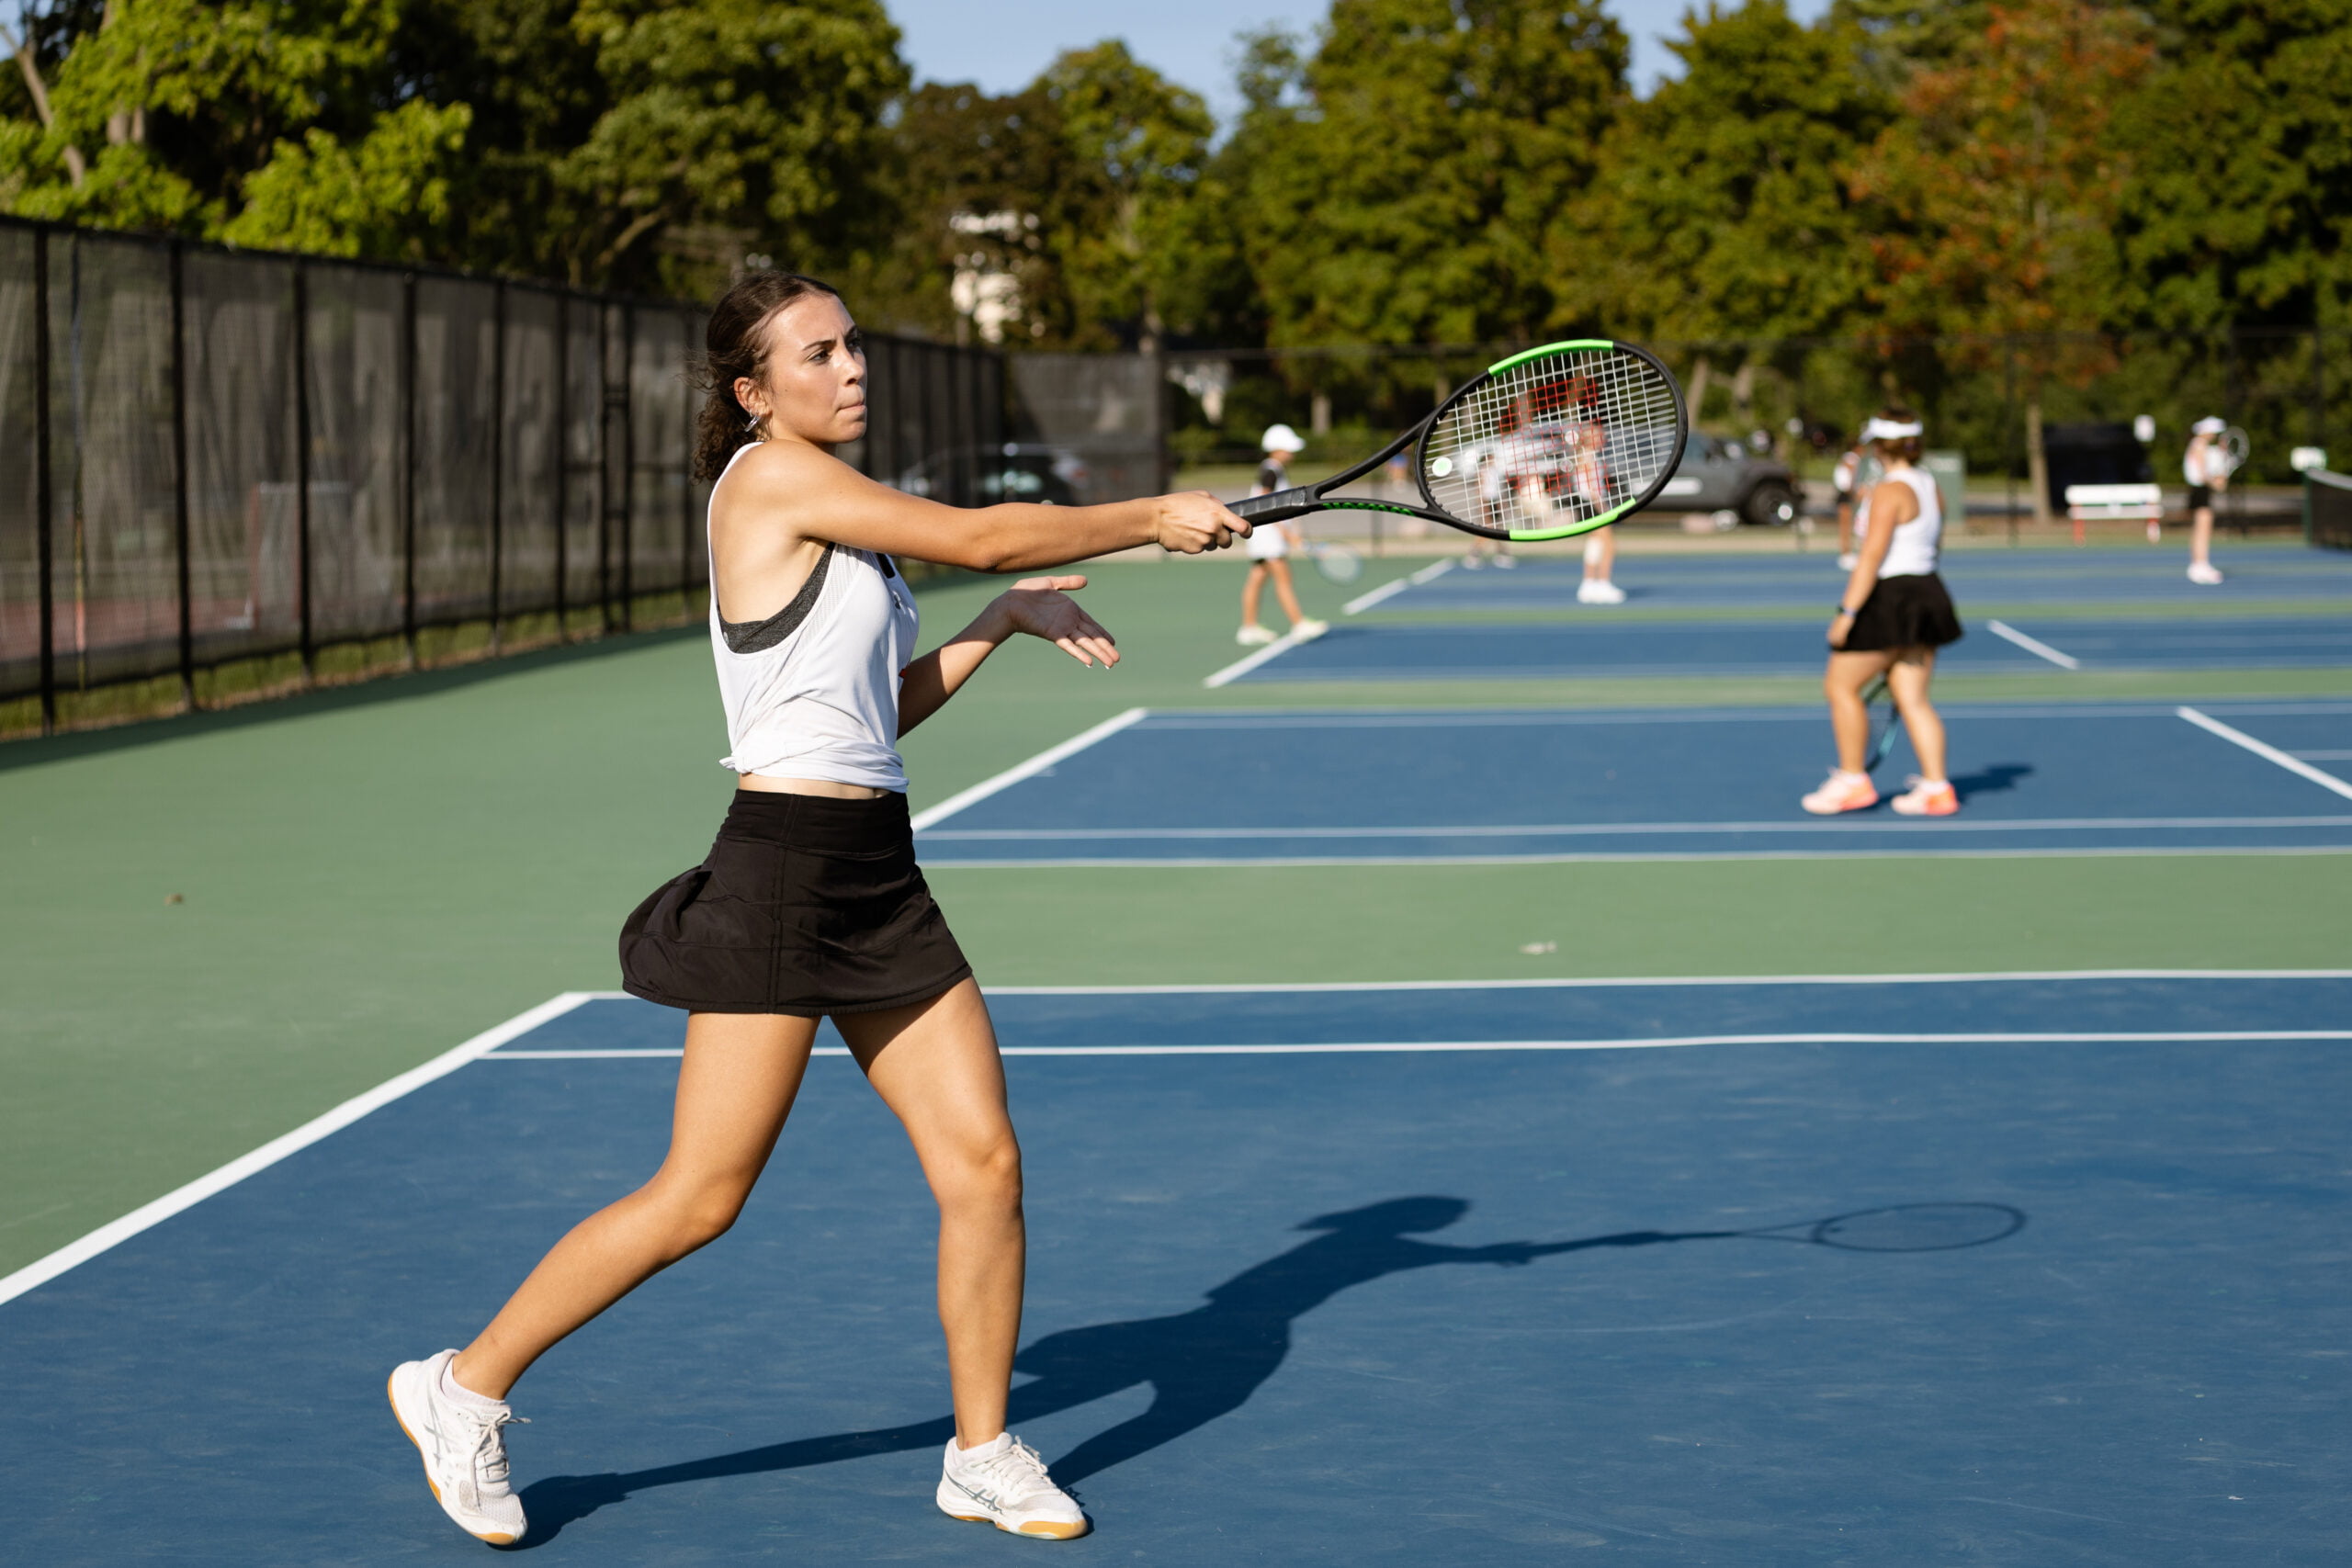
point(1594, 590)
point(1004, 1483)
point(1473, 561)
point(1254, 636)
point(1308, 630)
point(464, 1449)
point(1506, 563)
point(1846, 562)
point(2205, 574)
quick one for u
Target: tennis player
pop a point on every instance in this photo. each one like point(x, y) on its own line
point(2206, 467)
point(1855, 473)
point(811, 904)
point(1893, 617)
point(1269, 549)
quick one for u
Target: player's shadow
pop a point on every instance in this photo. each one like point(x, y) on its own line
point(1993, 779)
point(1200, 1364)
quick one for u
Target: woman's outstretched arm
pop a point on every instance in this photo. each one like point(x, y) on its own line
point(817, 496)
point(1038, 607)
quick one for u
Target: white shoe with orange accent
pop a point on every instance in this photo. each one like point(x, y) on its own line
point(1004, 1483)
point(1928, 798)
point(2204, 574)
point(464, 1448)
point(1843, 791)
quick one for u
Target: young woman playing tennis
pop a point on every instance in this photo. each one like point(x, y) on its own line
point(809, 904)
point(1893, 617)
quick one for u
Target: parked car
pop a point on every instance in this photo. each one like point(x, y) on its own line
point(1717, 474)
point(1049, 476)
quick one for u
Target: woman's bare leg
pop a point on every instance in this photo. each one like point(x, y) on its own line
point(1599, 554)
point(935, 1065)
point(735, 1088)
point(1251, 586)
point(2201, 536)
point(1907, 680)
point(1850, 719)
point(1284, 591)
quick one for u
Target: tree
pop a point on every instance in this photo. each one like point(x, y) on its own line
point(2001, 183)
point(1721, 211)
point(1401, 188)
point(733, 126)
point(2236, 209)
point(1140, 143)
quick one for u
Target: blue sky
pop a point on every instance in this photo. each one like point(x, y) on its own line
point(1003, 47)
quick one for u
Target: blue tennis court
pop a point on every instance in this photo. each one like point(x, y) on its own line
point(2255, 574)
point(1474, 1274)
point(1404, 785)
point(1574, 650)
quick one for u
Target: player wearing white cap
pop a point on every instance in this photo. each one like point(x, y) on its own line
point(2206, 466)
point(1269, 547)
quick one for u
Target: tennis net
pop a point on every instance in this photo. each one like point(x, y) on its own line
point(2327, 508)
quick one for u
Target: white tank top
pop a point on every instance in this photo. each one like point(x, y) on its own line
point(1916, 545)
point(821, 700)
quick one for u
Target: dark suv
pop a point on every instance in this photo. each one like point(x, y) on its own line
point(1721, 475)
point(1014, 471)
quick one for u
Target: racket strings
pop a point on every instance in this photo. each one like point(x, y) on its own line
point(1561, 438)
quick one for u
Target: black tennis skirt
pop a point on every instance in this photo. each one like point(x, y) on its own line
point(1905, 611)
point(806, 905)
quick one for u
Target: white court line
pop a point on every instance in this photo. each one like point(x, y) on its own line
point(2033, 645)
point(2325, 756)
point(2295, 765)
point(1631, 1042)
point(1650, 830)
point(131, 1225)
point(1029, 768)
point(1386, 591)
point(1240, 667)
point(1618, 857)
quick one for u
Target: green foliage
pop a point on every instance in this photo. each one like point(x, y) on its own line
point(382, 198)
point(1723, 209)
point(1408, 195)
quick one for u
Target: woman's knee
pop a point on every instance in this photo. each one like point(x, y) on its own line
point(693, 1215)
point(981, 1173)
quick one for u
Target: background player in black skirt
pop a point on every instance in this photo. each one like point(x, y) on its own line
point(1893, 617)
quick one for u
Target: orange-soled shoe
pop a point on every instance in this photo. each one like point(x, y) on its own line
point(1928, 798)
point(1843, 791)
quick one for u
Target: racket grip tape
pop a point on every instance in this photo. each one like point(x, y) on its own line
point(1278, 507)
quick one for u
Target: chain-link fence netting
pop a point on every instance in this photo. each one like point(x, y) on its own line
point(209, 457)
point(2327, 510)
point(1099, 418)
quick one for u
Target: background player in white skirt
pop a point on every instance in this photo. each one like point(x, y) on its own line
point(1269, 549)
point(2206, 466)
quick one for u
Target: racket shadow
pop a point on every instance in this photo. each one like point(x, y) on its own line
point(1207, 1362)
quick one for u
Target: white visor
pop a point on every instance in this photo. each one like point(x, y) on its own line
point(1887, 430)
point(2208, 427)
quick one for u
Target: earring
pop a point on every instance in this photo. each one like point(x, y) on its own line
point(752, 423)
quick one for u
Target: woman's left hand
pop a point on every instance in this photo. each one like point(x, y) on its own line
point(1042, 606)
point(1839, 628)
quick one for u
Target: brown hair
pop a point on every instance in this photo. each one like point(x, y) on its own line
point(735, 346)
point(1906, 448)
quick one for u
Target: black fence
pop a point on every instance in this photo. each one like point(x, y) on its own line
point(209, 456)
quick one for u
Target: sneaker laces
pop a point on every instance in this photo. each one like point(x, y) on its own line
point(487, 1464)
point(1017, 1471)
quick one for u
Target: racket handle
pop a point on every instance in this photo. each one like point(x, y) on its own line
point(1280, 506)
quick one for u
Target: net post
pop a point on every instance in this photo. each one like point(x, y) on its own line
point(562, 465)
point(44, 496)
point(179, 471)
point(497, 454)
point(302, 467)
point(408, 466)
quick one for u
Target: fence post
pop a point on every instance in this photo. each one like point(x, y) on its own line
point(497, 452)
point(625, 405)
point(179, 472)
point(302, 465)
point(604, 465)
point(687, 482)
point(408, 465)
point(562, 465)
point(43, 496)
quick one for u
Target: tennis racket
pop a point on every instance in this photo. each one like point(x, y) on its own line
point(1906, 1227)
point(1337, 562)
point(1545, 445)
point(1879, 703)
point(2235, 447)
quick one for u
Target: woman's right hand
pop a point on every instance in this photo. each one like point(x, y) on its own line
point(1195, 521)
